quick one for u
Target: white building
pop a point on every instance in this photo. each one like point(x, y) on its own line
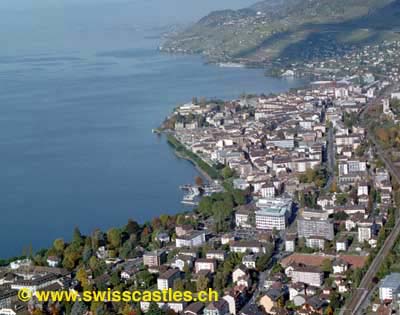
point(166, 280)
point(341, 245)
point(364, 231)
point(306, 274)
point(196, 238)
point(389, 286)
point(273, 213)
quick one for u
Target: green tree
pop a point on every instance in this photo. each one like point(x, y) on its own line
point(227, 172)
point(326, 265)
point(59, 245)
point(154, 309)
point(202, 283)
point(77, 237)
point(114, 237)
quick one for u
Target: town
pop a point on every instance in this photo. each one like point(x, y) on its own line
point(297, 210)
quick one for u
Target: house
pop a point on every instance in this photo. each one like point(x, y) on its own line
point(192, 239)
point(181, 261)
point(155, 258)
point(163, 237)
point(339, 266)
point(249, 261)
point(216, 254)
point(194, 309)
point(166, 280)
point(205, 264)
point(271, 299)
point(251, 309)
point(220, 307)
point(53, 261)
point(244, 282)
point(238, 273)
point(227, 238)
point(183, 229)
point(341, 244)
point(295, 289)
point(314, 305)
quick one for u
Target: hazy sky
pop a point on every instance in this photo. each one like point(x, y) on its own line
point(194, 7)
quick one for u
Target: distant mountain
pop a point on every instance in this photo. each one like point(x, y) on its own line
point(290, 29)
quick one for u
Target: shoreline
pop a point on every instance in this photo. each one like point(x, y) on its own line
point(180, 151)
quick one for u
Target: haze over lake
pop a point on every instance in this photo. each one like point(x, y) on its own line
point(81, 87)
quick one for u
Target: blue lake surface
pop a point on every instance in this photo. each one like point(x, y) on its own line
point(81, 87)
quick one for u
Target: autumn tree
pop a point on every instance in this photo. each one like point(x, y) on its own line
point(114, 237)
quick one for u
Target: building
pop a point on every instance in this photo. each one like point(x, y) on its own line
point(290, 243)
point(271, 299)
point(194, 309)
point(316, 242)
point(364, 230)
point(389, 286)
point(166, 280)
point(155, 258)
point(243, 217)
point(205, 264)
point(35, 283)
point(273, 213)
point(216, 254)
point(307, 227)
point(249, 261)
point(220, 307)
point(238, 273)
point(192, 239)
point(341, 244)
point(247, 246)
point(53, 261)
point(306, 274)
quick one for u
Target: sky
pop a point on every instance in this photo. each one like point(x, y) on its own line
point(193, 7)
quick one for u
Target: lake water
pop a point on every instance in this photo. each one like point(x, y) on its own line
point(81, 87)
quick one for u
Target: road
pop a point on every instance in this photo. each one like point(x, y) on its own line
point(366, 285)
point(331, 156)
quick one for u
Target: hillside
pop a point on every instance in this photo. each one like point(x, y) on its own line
point(289, 29)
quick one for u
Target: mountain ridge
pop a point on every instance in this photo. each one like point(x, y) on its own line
point(269, 30)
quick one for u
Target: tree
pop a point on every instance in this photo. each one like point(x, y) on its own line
point(199, 181)
point(132, 227)
point(59, 245)
point(328, 310)
point(114, 237)
point(202, 283)
point(179, 285)
point(82, 277)
point(77, 236)
point(79, 308)
point(154, 309)
point(205, 206)
point(262, 261)
point(239, 197)
point(326, 265)
point(227, 172)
